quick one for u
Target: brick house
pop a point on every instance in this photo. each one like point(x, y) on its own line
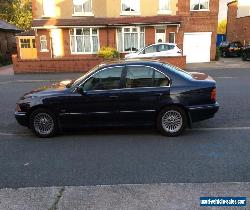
point(69, 32)
point(238, 27)
point(7, 39)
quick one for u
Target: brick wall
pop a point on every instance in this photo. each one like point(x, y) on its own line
point(238, 29)
point(74, 64)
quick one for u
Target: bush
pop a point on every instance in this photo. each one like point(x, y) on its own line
point(108, 53)
point(218, 54)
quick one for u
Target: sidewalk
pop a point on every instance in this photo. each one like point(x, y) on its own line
point(223, 63)
point(141, 197)
point(6, 70)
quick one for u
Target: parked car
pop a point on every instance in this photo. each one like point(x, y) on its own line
point(123, 93)
point(232, 49)
point(156, 50)
point(246, 53)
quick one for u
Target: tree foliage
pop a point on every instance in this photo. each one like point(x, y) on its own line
point(17, 12)
point(222, 27)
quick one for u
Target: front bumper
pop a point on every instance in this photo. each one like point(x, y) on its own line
point(22, 118)
point(203, 112)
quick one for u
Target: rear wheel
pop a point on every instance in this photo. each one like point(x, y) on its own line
point(172, 121)
point(43, 123)
point(244, 56)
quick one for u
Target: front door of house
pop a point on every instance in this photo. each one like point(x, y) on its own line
point(160, 35)
point(57, 46)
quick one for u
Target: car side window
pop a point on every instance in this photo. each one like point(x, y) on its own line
point(104, 80)
point(151, 49)
point(163, 47)
point(139, 76)
point(160, 80)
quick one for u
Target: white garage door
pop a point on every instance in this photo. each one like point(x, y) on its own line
point(197, 47)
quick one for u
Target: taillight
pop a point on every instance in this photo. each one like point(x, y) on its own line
point(213, 95)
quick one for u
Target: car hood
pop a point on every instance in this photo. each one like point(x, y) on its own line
point(131, 55)
point(54, 89)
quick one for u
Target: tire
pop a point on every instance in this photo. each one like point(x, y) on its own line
point(244, 56)
point(175, 120)
point(224, 54)
point(43, 123)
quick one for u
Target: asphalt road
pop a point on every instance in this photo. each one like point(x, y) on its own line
point(216, 150)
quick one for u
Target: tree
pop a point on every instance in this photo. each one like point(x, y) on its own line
point(17, 12)
point(222, 27)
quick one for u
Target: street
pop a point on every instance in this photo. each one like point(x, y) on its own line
point(216, 150)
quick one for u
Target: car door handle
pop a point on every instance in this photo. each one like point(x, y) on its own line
point(157, 94)
point(113, 97)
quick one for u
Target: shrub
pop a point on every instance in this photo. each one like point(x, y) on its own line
point(218, 54)
point(108, 52)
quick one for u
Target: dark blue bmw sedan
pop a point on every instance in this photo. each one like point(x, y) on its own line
point(121, 94)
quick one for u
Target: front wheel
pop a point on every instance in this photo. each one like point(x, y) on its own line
point(244, 56)
point(43, 123)
point(172, 121)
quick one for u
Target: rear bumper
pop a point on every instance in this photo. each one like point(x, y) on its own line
point(203, 112)
point(22, 118)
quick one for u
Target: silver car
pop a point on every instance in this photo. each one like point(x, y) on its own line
point(156, 50)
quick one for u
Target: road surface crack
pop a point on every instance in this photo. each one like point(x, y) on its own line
point(57, 199)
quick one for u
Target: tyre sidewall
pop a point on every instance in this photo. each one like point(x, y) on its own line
point(162, 113)
point(32, 117)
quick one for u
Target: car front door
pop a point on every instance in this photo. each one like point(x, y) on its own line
point(96, 101)
point(144, 89)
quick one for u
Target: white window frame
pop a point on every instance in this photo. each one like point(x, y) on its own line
point(165, 11)
point(43, 38)
point(131, 12)
point(123, 32)
point(174, 37)
point(199, 10)
point(82, 13)
point(52, 8)
point(91, 42)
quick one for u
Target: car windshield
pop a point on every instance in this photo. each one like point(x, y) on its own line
point(76, 82)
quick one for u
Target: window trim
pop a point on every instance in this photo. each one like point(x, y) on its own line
point(138, 41)
point(146, 87)
point(91, 41)
point(54, 12)
point(79, 14)
point(164, 11)
point(174, 37)
point(123, 76)
point(200, 10)
point(102, 69)
point(40, 39)
point(133, 13)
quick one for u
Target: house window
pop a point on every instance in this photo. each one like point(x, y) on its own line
point(164, 6)
point(130, 39)
point(82, 7)
point(49, 8)
point(130, 7)
point(43, 43)
point(25, 43)
point(33, 43)
point(199, 5)
point(84, 40)
point(172, 37)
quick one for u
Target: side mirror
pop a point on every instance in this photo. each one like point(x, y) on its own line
point(80, 90)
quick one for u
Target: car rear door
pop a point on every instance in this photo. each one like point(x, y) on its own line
point(144, 88)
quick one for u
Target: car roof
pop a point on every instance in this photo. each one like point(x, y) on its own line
point(131, 62)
